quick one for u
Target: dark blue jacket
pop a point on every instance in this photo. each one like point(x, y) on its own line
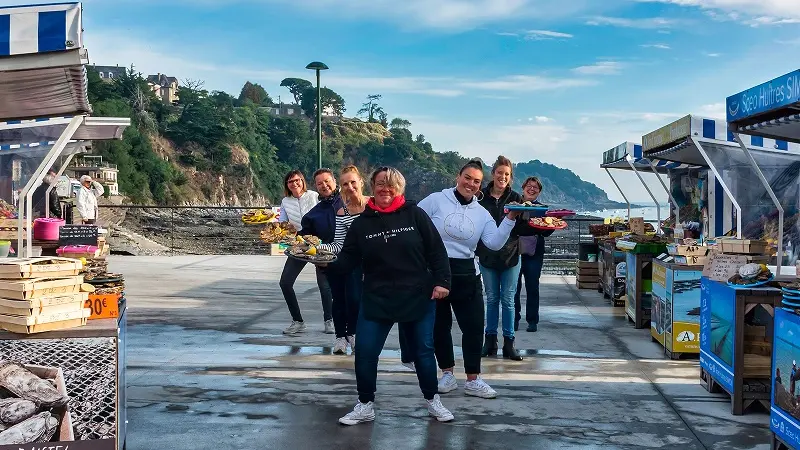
point(321, 220)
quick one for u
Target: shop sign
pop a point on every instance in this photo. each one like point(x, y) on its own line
point(615, 154)
point(784, 414)
point(780, 92)
point(717, 331)
point(680, 129)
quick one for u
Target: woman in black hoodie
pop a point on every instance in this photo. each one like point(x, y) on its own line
point(405, 270)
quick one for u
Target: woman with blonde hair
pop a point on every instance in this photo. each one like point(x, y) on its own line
point(346, 288)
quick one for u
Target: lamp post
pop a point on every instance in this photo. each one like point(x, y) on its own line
point(318, 66)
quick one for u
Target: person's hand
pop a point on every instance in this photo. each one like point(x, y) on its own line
point(439, 293)
point(513, 214)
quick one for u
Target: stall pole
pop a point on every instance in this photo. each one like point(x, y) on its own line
point(638, 175)
point(58, 175)
point(772, 195)
point(620, 193)
point(724, 186)
point(669, 193)
point(36, 180)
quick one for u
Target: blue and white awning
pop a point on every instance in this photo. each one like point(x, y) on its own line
point(17, 136)
point(616, 158)
point(40, 29)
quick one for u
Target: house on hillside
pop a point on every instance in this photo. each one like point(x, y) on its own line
point(165, 87)
point(286, 110)
point(109, 73)
point(102, 172)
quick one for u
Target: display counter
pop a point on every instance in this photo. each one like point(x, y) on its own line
point(612, 272)
point(638, 287)
point(675, 317)
point(92, 359)
point(736, 334)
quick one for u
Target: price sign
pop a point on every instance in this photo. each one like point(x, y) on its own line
point(722, 267)
point(104, 306)
point(77, 235)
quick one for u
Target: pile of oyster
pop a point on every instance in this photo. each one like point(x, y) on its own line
point(751, 273)
point(26, 403)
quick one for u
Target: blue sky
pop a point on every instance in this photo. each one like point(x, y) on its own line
point(555, 80)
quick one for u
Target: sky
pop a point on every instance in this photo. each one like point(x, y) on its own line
point(556, 80)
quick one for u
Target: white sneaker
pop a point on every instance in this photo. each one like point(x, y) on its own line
point(479, 388)
point(448, 383)
point(436, 409)
point(329, 329)
point(340, 346)
point(351, 341)
point(295, 328)
point(411, 366)
point(363, 412)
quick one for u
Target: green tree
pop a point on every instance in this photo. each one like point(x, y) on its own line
point(373, 111)
point(256, 94)
point(331, 101)
point(401, 123)
point(297, 86)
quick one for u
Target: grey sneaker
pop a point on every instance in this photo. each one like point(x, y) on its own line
point(351, 341)
point(329, 329)
point(448, 383)
point(295, 328)
point(437, 410)
point(363, 412)
point(340, 346)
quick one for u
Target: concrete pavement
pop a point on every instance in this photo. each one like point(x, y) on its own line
point(208, 368)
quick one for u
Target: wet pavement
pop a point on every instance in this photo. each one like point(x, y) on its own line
point(208, 368)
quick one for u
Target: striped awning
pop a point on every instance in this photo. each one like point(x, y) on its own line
point(32, 29)
point(23, 135)
point(42, 71)
point(616, 158)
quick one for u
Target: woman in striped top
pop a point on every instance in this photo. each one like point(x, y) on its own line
point(346, 288)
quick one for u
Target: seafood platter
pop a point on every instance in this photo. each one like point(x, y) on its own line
point(258, 216)
point(751, 275)
point(548, 223)
point(534, 208)
point(279, 233)
point(305, 248)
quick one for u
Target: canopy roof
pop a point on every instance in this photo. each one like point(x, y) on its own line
point(768, 110)
point(616, 158)
point(41, 61)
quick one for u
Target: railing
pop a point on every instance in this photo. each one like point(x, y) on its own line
point(207, 230)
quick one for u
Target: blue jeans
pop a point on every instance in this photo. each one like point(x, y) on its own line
point(500, 287)
point(532, 271)
point(371, 339)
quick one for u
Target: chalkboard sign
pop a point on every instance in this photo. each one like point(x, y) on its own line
point(77, 235)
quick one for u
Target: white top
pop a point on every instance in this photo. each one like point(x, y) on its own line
point(293, 209)
point(86, 200)
point(462, 226)
point(342, 226)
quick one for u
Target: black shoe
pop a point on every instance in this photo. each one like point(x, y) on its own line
point(532, 328)
point(509, 352)
point(516, 325)
point(489, 345)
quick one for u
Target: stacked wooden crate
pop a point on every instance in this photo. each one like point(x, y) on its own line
point(41, 294)
point(588, 275)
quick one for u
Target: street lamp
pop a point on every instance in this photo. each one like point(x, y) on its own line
point(318, 66)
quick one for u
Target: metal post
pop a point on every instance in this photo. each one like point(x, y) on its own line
point(58, 175)
point(724, 186)
point(26, 213)
point(669, 193)
point(772, 195)
point(620, 193)
point(629, 159)
point(319, 121)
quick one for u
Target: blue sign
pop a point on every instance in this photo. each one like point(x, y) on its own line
point(780, 92)
point(717, 333)
point(785, 410)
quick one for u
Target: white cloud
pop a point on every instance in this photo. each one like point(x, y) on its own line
point(788, 41)
point(545, 34)
point(600, 68)
point(644, 23)
point(543, 119)
point(761, 12)
point(713, 111)
point(658, 46)
point(712, 55)
point(527, 83)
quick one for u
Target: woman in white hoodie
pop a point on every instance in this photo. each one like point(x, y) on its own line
point(462, 223)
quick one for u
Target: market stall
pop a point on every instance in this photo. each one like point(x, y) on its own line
point(768, 114)
point(64, 318)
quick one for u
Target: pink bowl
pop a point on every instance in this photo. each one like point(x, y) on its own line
point(46, 229)
point(559, 213)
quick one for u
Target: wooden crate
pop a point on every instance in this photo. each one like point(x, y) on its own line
point(39, 287)
point(37, 307)
point(42, 267)
point(9, 228)
point(686, 250)
point(42, 328)
point(743, 246)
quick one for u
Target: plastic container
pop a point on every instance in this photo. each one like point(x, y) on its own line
point(46, 229)
point(591, 258)
point(5, 246)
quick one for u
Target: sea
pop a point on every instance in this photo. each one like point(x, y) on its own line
point(649, 212)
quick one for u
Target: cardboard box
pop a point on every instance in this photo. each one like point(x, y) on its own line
point(26, 268)
point(64, 432)
point(33, 288)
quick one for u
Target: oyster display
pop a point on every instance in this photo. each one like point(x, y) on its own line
point(34, 429)
point(15, 410)
point(750, 271)
point(278, 233)
point(24, 384)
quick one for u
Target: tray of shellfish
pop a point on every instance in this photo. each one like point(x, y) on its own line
point(306, 248)
point(33, 406)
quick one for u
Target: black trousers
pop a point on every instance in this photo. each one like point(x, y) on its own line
point(466, 302)
point(291, 270)
point(346, 290)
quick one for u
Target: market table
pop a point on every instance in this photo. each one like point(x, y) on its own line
point(675, 318)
